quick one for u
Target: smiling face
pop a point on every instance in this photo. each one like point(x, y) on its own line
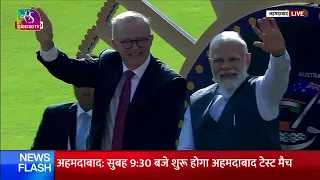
point(133, 40)
point(229, 63)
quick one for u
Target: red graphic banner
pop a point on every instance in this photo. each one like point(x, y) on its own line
point(187, 165)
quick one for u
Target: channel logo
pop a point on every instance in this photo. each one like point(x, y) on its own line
point(28, 20)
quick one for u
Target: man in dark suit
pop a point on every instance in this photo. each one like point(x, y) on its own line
point(66, 126)
point(138, 100)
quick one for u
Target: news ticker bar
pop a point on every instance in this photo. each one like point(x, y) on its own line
point(49, 165)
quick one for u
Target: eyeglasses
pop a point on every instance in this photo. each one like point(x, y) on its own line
point(128, 44)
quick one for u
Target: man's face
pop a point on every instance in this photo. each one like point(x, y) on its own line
point(133, 41)
point(229, 64)
point(84, 95)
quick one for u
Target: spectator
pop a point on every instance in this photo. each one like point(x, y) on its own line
point(66, 126)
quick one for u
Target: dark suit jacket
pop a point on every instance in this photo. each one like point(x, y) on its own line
point(58, 124)
point(155, 109)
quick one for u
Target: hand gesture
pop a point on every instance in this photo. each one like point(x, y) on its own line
point(45, 35)
point(272, 39)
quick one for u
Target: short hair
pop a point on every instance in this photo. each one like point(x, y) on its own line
point(230, 37)
point(128, 15)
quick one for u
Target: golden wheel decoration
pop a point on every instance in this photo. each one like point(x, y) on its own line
point(192, 50)
point(100, 30)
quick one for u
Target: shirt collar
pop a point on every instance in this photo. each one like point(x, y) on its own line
point(140, 70)
point(224, 93)
point(80, 111)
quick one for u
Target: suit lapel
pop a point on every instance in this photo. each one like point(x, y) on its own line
point(206, 114)
point(111, 76)
point(72, 126)
point(147, 85)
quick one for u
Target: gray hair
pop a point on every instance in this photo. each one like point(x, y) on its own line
point(230, 37)
point(128, 15)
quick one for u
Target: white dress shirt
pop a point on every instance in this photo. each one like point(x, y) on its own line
point(270, 89)
point(52, 54)
point(111, 116)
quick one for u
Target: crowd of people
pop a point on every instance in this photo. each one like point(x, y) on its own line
point(129, 100)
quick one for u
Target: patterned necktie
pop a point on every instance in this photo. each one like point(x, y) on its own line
point(83, 131)
point(124, 102)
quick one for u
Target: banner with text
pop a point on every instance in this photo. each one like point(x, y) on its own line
point(176, 165)
point(187, 165)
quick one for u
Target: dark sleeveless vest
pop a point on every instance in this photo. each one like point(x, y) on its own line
point(240, 126)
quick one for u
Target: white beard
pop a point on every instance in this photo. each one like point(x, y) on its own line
point(231, 84)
